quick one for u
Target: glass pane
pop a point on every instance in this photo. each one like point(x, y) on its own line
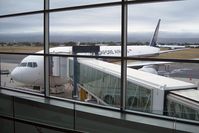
point(7, 126)
point(15, 72)
point(23, 128)
point(69, 3)
point(178, 29)
point(6, 107)
point(52, 115)
point(88, 80)
point(151, 84)
point(182, 110)
point(139, 95)
point(21, 34)
point(13, 6)
point(91, 27)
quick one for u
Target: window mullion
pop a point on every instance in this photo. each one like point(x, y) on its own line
point(123, 54)
point(46, 48)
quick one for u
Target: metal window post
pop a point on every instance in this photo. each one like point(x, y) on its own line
point(123, 54)
point(75, 78)
point(46, 48)
point(0, 70)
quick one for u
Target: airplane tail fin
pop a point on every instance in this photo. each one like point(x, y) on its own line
point(153, 42)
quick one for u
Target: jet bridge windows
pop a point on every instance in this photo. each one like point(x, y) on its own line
point(28, 64)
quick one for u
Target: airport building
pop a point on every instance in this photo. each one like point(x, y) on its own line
point(80, 88)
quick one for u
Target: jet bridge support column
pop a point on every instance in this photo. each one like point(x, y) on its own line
point(76, 50)
point(75, 80)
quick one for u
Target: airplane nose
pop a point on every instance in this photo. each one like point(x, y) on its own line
point(14, 75)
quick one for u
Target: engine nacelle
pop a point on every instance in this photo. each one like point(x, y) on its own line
point(148, 69)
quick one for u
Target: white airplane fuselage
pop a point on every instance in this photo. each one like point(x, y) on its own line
point(132, 51)
point(31, 69)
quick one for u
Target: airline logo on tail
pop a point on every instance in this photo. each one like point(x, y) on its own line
point(153, 42)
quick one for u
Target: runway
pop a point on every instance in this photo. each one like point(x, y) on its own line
point(16, 59)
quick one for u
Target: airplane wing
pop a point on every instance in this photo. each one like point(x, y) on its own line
point(173, 50)
point(145, 63)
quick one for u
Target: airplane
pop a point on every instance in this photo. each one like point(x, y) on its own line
point(30, 70)
point(193, 46)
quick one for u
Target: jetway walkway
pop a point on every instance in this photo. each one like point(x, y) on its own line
point(145, 92)
point(183, 104)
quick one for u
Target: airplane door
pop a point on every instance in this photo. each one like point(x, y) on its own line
point(63, 66)
point(59, 66)
point(55, 66)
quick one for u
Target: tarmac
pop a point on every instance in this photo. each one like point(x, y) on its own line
point(182, 71)
point(8, 83)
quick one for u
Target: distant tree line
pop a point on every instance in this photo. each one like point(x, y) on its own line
point(73, 43)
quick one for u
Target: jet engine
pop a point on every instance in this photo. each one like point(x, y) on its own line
point(149, 69)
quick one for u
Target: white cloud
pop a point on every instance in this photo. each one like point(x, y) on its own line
point(179, 17)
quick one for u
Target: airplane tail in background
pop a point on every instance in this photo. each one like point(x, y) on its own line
point(153, 42)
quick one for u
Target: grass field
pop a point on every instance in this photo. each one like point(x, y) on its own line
point(183, 54)
point(21, 49)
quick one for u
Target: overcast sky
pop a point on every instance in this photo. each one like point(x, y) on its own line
point(178, 18)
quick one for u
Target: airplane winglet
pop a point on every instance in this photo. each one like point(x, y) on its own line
point(153, 42)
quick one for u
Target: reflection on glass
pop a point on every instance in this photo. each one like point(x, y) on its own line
point(138, 98)
point(12, 6)
point(21, 127)
point(88, 80)
point(89, 27)
point(21, 34)
point(22, 72)
point(174, 31)
point(69, 3)
point(7, 126)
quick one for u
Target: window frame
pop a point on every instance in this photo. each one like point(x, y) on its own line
point(124, 5)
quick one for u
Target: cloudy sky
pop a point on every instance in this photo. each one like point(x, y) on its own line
point(178, 19)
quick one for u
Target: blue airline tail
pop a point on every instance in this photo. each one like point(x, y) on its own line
point(153, 42)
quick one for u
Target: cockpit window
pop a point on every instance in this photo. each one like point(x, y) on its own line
point(28, 64)
point(23, 64)
point(34, 64)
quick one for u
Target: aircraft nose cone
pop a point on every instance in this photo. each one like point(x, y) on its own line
point(14, 75)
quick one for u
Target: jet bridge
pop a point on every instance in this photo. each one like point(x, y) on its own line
point(183, 104)
point(145, 91)
point(59, 68)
